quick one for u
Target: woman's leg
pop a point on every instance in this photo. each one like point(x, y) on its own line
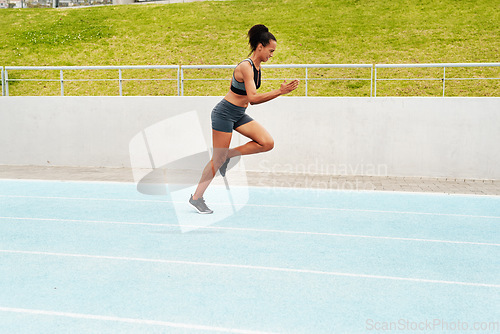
point(221, 141)
point(261, 140)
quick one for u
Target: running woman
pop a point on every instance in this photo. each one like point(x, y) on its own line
point(229, 114)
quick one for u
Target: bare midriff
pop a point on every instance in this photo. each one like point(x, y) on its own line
point(237, 100)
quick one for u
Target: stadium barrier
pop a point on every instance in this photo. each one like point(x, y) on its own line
point(181, 77)
point(453, 137)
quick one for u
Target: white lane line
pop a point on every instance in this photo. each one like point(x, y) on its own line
point(260, 205)
point(245, 229)
point(129, 320)
point(251, 267)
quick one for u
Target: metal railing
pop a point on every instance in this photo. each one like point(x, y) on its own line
point(181, 75)
point(62, 80)
point(443, 65)
point(182, 78)
point(306, 78)
point(201, 67)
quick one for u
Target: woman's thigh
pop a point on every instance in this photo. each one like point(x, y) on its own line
point(256, 132)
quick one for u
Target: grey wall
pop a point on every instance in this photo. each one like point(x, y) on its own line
point(433, 137)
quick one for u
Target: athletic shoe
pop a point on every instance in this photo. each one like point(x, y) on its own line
point(199, 205)
point(223, 168)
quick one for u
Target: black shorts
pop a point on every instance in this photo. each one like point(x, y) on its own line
point(226, 116)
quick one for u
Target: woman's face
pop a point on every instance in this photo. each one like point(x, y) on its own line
point(268, 50)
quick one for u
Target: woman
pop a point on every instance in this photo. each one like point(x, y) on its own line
point(229, 114)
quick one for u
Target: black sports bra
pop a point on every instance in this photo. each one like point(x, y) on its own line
point(239, 87)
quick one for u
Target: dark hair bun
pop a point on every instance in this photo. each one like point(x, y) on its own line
point(258, 29)
point(259, 34)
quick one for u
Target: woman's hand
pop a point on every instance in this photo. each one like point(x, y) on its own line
point(254, 98)
point(288, 87)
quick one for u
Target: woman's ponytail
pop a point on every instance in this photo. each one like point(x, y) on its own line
point(259, 34)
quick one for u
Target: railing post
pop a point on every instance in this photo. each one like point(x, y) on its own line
point(375, 83)
point(6, 78)
point(62, 82)
point(371, 80)
point(3, 82)
point(120, 80)
point(178, 80)
point(444, 78)
point(182, 82)
point(306, 80)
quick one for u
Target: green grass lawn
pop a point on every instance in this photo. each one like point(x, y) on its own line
point(214, 32)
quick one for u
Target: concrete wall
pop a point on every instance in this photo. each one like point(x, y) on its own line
point(433, 137)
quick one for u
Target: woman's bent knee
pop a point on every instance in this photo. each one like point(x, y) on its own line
point(267, 145)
